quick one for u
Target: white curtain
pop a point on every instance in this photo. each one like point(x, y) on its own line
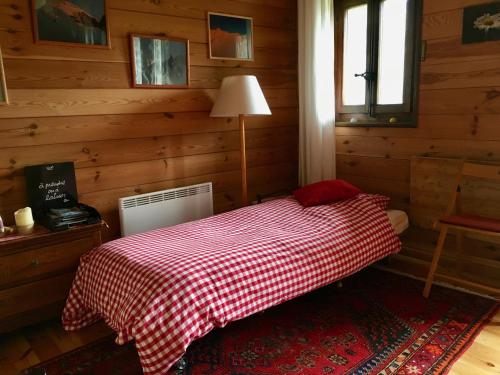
point(316, 91)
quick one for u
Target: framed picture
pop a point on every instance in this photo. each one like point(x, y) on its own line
point(481, 23)
point(159, 61)
point(4, 99)
point(71, 22)
point(230, 37)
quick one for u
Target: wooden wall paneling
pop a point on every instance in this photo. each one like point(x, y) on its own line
point(108, 177)
point(460, 101)
point(425, 239)
point(469, 267)
point(285, 4)
point(481, 127)
point(76, 104)
point(68, 129)
point(444, 24)
point(211, 77)
point(44, 103)
point(108, 152)
point(419, 268)
point(405, 148)
point(375, 167)
point(451, 50)
point(56, 74)
point(468, 74)
point(431, 6)
point(480, 259)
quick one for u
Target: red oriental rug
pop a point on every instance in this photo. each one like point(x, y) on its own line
point(377, 323)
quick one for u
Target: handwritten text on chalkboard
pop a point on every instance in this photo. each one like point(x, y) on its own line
point(53, 190)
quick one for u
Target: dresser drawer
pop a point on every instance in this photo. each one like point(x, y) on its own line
point(32, 296)
point(32, 264)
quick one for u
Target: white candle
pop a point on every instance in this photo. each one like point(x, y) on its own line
point(24, 217)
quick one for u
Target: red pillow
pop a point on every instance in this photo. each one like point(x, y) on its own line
point(325, 192)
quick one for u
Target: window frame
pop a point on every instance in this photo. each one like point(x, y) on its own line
point(372, 114)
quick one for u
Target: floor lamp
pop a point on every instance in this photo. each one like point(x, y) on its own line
point(240, 96)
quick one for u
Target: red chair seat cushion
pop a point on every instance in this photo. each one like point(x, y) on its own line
point(473, 221)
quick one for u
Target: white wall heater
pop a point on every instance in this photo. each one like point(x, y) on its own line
point(140, 213)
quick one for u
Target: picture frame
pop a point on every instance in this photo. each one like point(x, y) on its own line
point(481, 23)
point(4, 97)
point(159, 61)
point(230, 37)
point(82, 24)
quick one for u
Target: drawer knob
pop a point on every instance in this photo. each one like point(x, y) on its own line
point(35, 263)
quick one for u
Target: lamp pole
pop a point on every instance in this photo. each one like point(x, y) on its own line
point(244, 188)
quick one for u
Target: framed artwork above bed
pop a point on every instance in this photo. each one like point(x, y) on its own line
point(159, 61)
point(230, 37)
point(81, 23)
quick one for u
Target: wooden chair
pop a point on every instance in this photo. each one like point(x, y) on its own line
point(461, 222)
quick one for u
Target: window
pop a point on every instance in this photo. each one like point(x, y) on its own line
point(377, 61)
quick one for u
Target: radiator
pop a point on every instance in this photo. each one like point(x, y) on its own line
point(140, 213)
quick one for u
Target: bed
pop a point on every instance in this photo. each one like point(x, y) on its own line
point(166, 288)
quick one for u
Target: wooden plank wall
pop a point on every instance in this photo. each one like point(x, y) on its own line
point(459, 116)
point(77, 104)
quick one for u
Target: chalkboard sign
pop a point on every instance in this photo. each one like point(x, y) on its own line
point(51, 186)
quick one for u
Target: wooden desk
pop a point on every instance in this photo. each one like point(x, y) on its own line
point(36, 272)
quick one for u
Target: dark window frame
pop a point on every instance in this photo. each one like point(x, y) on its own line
point(372, 114)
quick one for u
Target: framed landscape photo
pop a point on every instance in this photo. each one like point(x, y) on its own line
point(159, 61)
point(71, 22)
point(481, 23)
point(230, 37)
point(4, 99)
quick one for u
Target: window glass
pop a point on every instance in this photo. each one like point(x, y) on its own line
point(391, 65)
point(355, 31)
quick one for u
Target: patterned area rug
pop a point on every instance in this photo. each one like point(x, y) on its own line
point(377, 323)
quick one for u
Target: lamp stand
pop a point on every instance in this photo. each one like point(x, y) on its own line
point(244, 188)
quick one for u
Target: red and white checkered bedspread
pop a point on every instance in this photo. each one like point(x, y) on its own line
point(168, 287)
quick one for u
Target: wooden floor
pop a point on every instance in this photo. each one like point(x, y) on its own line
point(29, 346)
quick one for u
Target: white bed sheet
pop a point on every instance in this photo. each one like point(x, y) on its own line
point(399, 220)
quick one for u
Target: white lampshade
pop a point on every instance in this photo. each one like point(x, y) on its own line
point(240, 95)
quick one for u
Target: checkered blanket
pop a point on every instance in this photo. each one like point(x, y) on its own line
point(168, 287)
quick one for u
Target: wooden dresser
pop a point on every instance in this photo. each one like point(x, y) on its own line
point(36, 272)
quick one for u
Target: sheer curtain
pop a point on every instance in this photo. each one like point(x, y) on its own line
point(316, 91)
